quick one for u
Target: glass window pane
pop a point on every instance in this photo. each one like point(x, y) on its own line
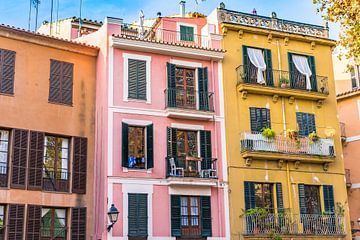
point(136, 147)
point(2, 213)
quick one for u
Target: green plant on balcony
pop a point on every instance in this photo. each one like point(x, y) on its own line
point(284, 82)
point(293, 135)
point(313, 137)
point(268, 133)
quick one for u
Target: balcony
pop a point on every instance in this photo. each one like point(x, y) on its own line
point(189, 104)
point(280, 83)
point(167, 36)
point(285, 223)
point(190, 170)
point(55, 181)
point(348, 177)
point(256, 146)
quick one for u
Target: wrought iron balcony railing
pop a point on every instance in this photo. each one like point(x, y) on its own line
point(4, 170)
point(281, 144)
point(166, 36)
point(293, 224)
point(189, 99)
point(183, 166)
point(281, 79)
point(55, 181)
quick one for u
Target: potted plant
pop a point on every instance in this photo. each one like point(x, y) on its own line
point(313, 137)
point(268, 133)
point(284, 82)
point(292, 134)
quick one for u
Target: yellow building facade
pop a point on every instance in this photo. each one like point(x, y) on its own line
point(290, 185)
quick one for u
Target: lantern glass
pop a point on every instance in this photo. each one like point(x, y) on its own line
point(113, 214)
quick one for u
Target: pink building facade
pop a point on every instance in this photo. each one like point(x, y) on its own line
point(160, 144)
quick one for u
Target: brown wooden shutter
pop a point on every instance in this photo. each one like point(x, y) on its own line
point(61, 82)
point(16, 222)
point(36, 155)
point(78, 223)
point(33, 222)
point(19, 158)
point(79, 165)
point(7, 71)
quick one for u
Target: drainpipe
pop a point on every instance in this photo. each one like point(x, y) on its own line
point(289, 186)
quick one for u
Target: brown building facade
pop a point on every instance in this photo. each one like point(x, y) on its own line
point(47, 134)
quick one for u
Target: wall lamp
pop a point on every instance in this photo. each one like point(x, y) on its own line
point(113, 214)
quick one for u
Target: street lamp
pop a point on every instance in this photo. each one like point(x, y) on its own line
point(113, 214)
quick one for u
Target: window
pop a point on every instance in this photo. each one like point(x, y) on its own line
point(355, 76)
point(264, 195)
point(7, 71)
point(306, 123)
point(187, 152)
point(137, 147)
point(4, 152)
point(2, 221)
point(61, 82)
point(302, 72)
point(254, 58)
point(138, 215)
point(53, 223)
point(56, 158)
point(137, 79)
point(259, 119)
point(191, 216)
point(186, 33)
point(185, 88)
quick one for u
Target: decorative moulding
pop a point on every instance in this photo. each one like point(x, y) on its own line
point(244, 94)
point(241, 34)
point(248, 162)
point(291, 100)
point(286, 41)
point(297, 164)
point(275, 98)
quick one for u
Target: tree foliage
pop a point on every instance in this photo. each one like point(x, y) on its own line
point(347, 13)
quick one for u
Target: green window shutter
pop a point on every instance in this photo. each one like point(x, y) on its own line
point(125, 145)
point(203, 89)
point(259, 118)
point(306, 123)
point(265, 118)
point(137, 79)
point(186, 33)
point(205, 149)
point(253, 119)
point(137, 215)
point(311, 61)
point(249, 190)
point(245, 63)
point(329, 205)
point(311, 123)
point(205, 204)
point(269, 69)
point(291, 70)
point(175, 216)
point(279, 197)
point(171, 79)
point(150, 146)
point(302, 205)
point(301, 121)
point(171, 145)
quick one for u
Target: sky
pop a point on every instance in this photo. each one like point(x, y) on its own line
point(16, 12)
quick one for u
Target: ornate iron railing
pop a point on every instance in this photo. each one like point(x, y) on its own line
point(293, 224)
point(165, 35)
point(272, 23)
point(181, 166)
point(55, 181)
point(281, 144)
point(280, 79)
point(189, 99)
point(4, 170)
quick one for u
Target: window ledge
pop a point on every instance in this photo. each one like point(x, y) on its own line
point(61, 104)
point(136, 100)
point(148, 171)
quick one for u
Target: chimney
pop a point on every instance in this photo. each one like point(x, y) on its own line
point(182, 8)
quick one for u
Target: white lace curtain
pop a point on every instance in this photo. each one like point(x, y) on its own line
point(257, 59)
point(302, 65)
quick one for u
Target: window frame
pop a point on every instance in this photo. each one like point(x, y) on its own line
point(52, 222)
point(147, 59)
point(189, 216)
point(319, 197)
point(7, 156)
point(272, 194)
point(3, 225)
point(144, 145)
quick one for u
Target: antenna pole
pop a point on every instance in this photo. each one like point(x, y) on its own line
point(80, 19)
point(37, 12)
point(29, 16)
point(51, 16)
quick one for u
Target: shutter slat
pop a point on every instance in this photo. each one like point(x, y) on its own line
point(328, 192)
point(36, 155)
point(79, 165)
point(171, 79)
point(306, 123)
point(7, 71)
point(206, 228)
point(279, 197)
point(313, 79)
point(175, 216)
point(137, 79)
point(246, 64)
point(78, 224)
point(203, 89)
point(291, 70)
point(33, 222)
point(16, 221)
point(137, 215)
point(125, 144)
point(269, 70)
point(205, 149)
point(61, 82)
point(302, 205)
point(150, 146)
point(19, 158)
point(249, 191)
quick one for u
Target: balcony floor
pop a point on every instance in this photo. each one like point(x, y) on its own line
point(194, 181)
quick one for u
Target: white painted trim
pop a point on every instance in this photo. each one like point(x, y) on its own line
point(194, 26)
point(174, 50)
point(110, 134)
point(182, 63)
point(110, 201)
point(133, 122)
point(145, 58)
point(223, 150)
point(166, 181)
point(190, 190)
point(353, 138)
point(111, 77)
point(187, 126)
point(355, 185)
point(137, 188)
